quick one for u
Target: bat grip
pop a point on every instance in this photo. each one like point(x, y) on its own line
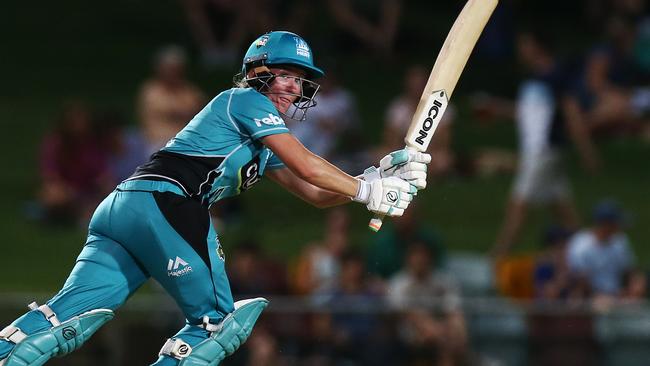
point(376, 222)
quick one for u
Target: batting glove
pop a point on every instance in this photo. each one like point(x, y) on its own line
point(386, 196)
point(406, 164)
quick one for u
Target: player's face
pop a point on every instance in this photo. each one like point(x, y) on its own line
point(285, 88)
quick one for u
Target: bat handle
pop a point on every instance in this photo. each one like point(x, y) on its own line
point(376, 222)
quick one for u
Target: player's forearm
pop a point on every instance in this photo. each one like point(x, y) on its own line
point(321, 198)
point(309, 166)
point(322, 174)
point(326, 199)
point(306, 191)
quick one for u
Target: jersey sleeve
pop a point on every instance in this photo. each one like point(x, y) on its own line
point(254, 114)
point(274, 163)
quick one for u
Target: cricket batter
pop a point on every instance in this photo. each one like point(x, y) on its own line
point(156, 223)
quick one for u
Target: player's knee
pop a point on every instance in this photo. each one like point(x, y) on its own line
point(58, 340)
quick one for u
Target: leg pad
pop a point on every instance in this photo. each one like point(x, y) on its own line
point(36, 349)
point(233, 332)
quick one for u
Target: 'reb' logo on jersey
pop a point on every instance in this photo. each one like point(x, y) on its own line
point(271, 120)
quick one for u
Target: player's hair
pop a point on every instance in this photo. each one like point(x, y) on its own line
point(239, 81)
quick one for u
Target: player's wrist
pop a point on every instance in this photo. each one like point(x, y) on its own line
point(363, 192)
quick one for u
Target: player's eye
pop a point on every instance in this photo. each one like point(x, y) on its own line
point(290, 78)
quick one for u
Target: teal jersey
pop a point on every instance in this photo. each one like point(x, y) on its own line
point(219, 153)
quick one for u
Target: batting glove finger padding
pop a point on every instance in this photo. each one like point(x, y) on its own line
point(415, 178)
point(404, 156)
point(406, 164)
point(409, 167)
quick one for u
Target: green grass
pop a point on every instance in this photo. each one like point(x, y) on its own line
point(102, 52)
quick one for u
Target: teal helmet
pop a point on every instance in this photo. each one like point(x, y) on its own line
point(281, 48)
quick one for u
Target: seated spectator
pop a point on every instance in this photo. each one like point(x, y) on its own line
point(634, 287)
point(551, 274)
point(319, 265)
point(262, 349)
point(73, 167)
point(432, 328)
point(124, 144)
point(601, 254)
point(167, 101)
point(514, 275)
point(356, 335)
point(387, 249)
point(611, 92)
point(332, 125)
point(252, 274)
point(399, 115)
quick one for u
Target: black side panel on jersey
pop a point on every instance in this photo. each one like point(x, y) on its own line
point(190, 171)
point(189, 218)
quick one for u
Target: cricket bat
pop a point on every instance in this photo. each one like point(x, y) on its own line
point(446, 71)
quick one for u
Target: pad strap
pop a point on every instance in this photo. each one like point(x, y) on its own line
point(49, 314)
point(175, 348)
point(209, 326)
point(12, 334)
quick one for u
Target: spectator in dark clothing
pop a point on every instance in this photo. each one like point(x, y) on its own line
point(552, 277)
point(73, 167)
point(125, 144)
point(612, 82)
point(356, 334)
point(251, 273)
point(387, 248)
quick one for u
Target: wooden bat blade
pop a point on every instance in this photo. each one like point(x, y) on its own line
point(446, 71)
point(449, 64)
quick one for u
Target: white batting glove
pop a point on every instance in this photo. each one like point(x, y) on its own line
point(406, 164)
point(386, 196)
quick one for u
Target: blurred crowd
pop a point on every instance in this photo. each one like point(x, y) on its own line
point(414, 304)
point(393, 303)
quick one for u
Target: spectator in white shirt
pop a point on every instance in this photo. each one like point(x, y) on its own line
point(432, 325)
point(601, 255)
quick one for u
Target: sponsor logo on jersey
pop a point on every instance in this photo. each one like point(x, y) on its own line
point(302, 49)
point(178, 267)
point(271, 120)
point(250, 174)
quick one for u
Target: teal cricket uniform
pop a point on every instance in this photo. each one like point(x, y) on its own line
point(156, 223)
